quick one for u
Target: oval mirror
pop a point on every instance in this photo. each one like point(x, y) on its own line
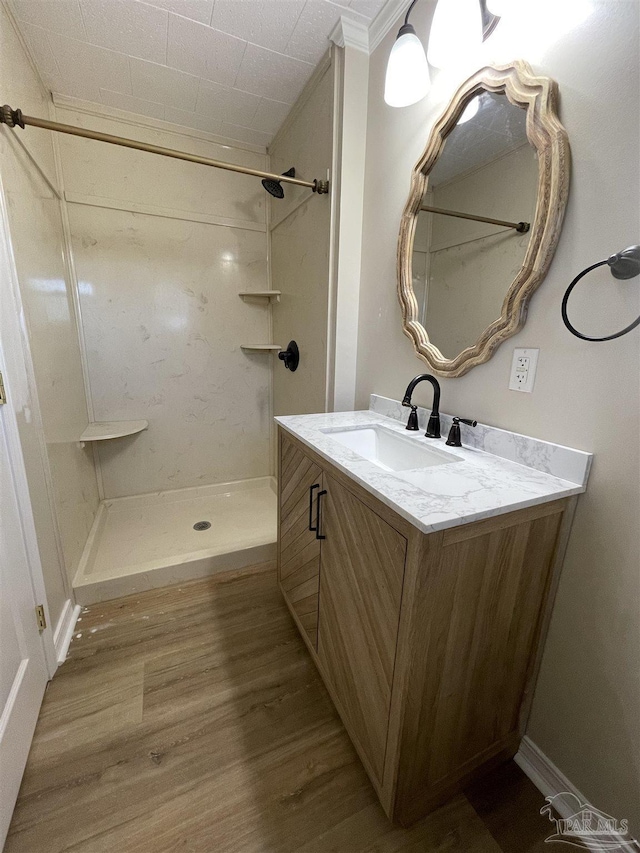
point(483, 217)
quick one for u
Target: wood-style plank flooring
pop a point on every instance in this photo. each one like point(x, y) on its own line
point(192, 719)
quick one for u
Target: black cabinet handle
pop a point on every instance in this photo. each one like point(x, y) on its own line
point(319, 516)
point(311, 488)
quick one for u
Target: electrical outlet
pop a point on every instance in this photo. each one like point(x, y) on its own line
point(523, 370)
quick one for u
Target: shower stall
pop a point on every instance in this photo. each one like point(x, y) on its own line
point(180, 285)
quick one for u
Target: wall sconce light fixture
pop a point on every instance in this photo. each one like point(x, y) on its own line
point(470, 111)
point(499, 7)
point(458, 27)
point(407, 80)
point(456, 31)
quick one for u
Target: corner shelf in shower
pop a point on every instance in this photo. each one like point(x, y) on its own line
point(265, 294)
point(261, 347)
point(101, 431)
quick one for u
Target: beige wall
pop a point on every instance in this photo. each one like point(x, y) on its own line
point(61, 473)
point(300, 235)
point(162, 249)
point(587, 704)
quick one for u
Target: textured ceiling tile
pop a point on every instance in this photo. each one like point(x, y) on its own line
point(89, 92)
point(204, 52)
point(245, 134)
point(270, 115)
point(497, 128)
point(63, 16)
point(127, 26)
point(187, 119)
point(164, 85)
point(41, 53)
point(84, 64)
point(228, 105)
point(197, 10)
point(131, 104)
point(259, 52)
point(310, 38)
point(268, 23)
point(272, 75)
point(368, 8)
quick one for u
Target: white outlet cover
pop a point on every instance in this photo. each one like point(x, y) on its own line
point(523, 370)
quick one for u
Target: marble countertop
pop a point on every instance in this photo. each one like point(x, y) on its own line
point(475, 485)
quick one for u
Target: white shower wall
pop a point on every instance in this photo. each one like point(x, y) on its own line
point(60, 472)
point(300, 246)
point(162, 249)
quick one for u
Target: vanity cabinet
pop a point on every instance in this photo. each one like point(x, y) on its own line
point(427, 643)
point(363, 560)
point(298, 543)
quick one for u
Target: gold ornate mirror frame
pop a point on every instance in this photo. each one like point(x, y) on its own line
point(539, 96)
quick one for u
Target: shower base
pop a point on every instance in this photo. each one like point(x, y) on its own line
point(148, 541)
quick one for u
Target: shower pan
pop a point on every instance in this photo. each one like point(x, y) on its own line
point(149, 541)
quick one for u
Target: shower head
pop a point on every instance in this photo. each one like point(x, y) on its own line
point(273, 187)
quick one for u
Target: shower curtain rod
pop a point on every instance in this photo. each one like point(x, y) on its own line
point(15, 118)
point(520, 227)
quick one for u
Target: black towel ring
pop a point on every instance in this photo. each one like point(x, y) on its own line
point(624, 265)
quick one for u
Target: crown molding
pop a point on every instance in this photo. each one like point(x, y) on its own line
point(386, 19)
point(349, 33)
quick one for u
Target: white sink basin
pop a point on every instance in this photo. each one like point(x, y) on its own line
point(389, 450)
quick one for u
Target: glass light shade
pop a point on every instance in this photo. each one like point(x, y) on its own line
point(500, 7)
point(407, 80)
point(456, 32)
point(470, 111)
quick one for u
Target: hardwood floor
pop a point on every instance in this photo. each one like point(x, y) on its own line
point(192, 719)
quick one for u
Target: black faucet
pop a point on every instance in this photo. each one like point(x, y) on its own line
point(433, 427)
point(455, 439)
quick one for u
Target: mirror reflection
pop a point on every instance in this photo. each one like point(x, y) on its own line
point(463, 267)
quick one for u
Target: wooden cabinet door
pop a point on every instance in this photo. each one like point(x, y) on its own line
point(363, 561)
point(299, 482)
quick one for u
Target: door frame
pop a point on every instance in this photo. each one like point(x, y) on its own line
point(20, 399)
point(29, 672)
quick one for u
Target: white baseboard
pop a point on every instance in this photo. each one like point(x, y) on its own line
point(64, 629)
point(551, 782)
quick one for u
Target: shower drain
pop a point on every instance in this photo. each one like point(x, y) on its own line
point(202, 525)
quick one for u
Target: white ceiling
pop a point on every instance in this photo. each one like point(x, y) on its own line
point(229, 67)
point(497, 128)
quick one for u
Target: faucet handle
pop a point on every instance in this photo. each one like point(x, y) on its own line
point(454, 439)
